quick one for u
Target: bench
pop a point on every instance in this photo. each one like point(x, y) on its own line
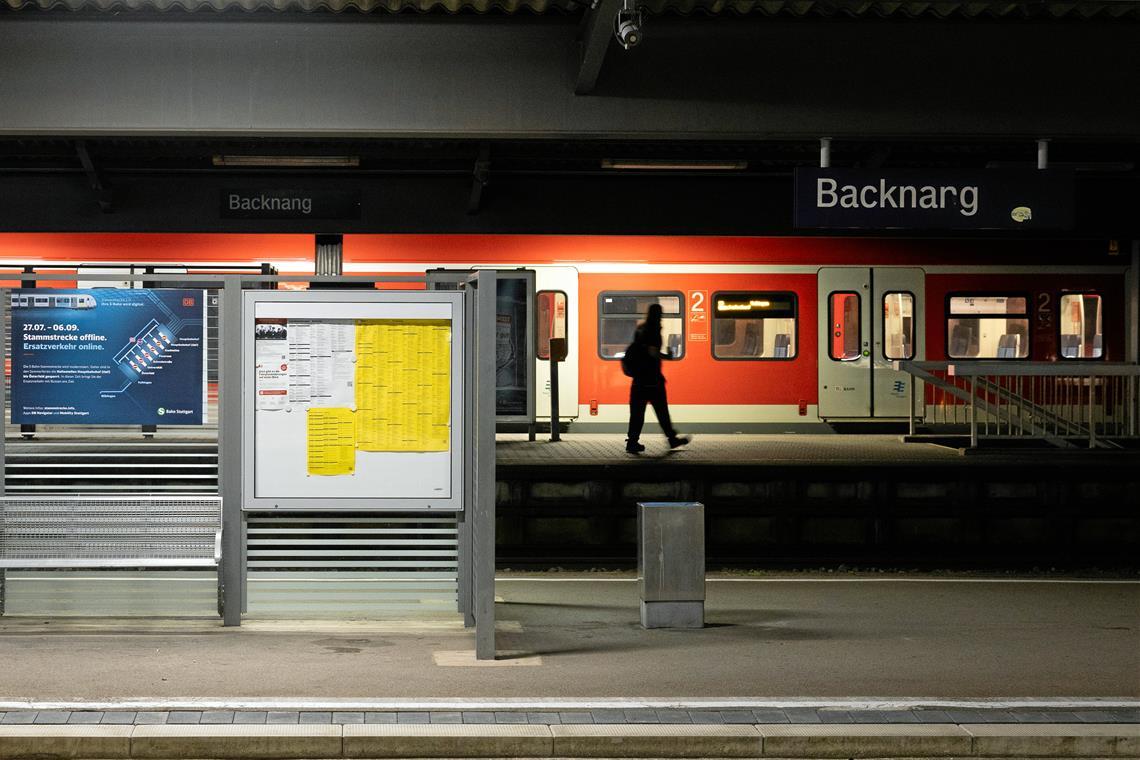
point(108, 532)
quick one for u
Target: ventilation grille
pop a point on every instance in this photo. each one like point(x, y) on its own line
point(360, 566)
point(108, 531)
point(109, 466)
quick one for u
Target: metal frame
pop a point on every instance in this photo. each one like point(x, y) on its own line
point(681, 315)
point(831, 321)
point(477, 526)
point(1061, 294)
point(462, 276)
point(914, 326)
point(795, 321)
point(1027, 315)
point(1009, 397)
point(483, 481)
point(250, 500)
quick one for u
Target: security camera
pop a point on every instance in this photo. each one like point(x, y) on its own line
point(627, 26)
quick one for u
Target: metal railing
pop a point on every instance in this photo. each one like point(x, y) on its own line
point(1067, 404)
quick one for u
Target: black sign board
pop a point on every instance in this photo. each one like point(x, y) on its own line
point(985, 199)
point(290, 203)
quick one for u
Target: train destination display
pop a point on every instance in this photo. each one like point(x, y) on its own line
point(368, 385)
point(108, 356)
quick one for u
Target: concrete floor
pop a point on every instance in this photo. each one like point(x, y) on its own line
point(824, 636)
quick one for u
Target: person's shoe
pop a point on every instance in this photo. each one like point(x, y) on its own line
point(633, 447)
point(678, 440)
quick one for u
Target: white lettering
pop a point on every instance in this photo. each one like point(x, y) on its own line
point(880, 194)
point(829, 192)
point(887, 195)
point(947, 190)
point(849, 197)
point(269, 203)
point(969, 198)
point(863, 196)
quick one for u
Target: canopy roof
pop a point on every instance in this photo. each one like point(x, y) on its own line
point(946, 9)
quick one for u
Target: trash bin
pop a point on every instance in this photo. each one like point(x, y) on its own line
point(671, 563)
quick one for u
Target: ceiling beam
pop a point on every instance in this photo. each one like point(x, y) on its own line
point(98, 184)
point(479, 177)
point(596, 33)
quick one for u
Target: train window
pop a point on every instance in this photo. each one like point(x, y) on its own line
point(1082, 334)
point(843, 316)
point(898, 325)
point(754, 325)
point(552, 313)
point(620, 313)
point(987, 327)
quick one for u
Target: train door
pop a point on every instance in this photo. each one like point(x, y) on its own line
point(557, 286)
point(898, 330)
point(868, 318)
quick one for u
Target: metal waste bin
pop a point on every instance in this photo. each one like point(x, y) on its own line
point(671, 563)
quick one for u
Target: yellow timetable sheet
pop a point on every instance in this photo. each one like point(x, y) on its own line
point(331, 441)
point(403, 384)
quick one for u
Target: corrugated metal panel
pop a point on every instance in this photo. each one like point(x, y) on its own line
point(119, 463)
point(360, 566)
point(824, 8)
point(109, 531)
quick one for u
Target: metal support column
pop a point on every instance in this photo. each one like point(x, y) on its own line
point(229, 449)
point(1132, 326)
point(973, 414)
point(483, 524)
point(466, 518)
point(3, 427)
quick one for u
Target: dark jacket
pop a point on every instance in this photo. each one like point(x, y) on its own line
point(648, 367)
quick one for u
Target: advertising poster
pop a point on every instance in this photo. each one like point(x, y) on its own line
point(108, 357)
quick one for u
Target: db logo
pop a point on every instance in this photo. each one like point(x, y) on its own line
point(189, 301)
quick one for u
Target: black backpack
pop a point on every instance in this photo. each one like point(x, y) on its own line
point(631, 361)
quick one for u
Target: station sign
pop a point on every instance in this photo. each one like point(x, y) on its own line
point(917, 199)
point(289, 203)
point(108, 356)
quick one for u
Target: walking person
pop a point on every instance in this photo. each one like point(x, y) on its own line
point(648, 387)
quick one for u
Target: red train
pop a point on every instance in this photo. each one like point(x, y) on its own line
point(766, 333)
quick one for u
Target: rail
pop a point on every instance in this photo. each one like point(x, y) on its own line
point(1066, 404)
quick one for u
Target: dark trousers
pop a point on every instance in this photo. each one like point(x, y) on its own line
point(639, 396)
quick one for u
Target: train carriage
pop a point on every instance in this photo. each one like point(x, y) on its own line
point(763, 333)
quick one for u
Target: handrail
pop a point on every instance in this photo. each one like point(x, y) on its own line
point(1016, 368)
point(1057, 402)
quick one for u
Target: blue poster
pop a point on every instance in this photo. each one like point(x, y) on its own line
point(108, 357)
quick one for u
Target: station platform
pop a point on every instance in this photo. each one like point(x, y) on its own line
point(789, 665)
point(804, 498)
point(770, 500)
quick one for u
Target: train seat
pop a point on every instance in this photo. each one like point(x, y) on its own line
point(962, 343)
point(753, 340)
point(1008, 346)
